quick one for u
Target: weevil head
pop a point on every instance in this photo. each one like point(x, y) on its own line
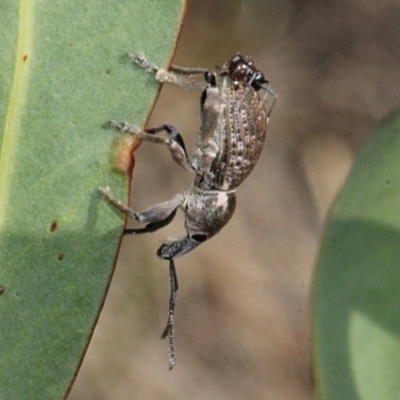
point(243, 71)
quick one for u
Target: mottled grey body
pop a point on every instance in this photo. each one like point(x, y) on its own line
point(237, 137)
point(231, 136)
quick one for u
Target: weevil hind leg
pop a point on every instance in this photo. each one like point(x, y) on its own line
point(155, 217)
point(106, 193)
point(161, 213)
point(152, 226)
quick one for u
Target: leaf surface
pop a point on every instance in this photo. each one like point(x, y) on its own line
point(63, 74)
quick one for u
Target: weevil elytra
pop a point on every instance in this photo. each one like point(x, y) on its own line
point(234, 119)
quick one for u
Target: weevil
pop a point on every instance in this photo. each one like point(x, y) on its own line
point(234, 119)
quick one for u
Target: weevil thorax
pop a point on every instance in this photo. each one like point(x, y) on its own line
point(233, 126)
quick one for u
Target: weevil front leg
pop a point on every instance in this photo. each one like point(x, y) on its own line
point(180, 76)
point(154, 217)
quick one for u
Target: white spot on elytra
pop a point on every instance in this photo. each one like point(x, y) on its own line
point(222, 199)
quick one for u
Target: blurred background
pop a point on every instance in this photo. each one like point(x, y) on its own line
point(243, 310)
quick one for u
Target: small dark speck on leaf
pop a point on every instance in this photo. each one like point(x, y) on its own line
point(107, 71)
point(388, 182)
point(61, 257)
point(1, 290)
point(53, 226)
point(25, 57)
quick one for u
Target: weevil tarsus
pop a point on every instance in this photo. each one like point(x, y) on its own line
point(140, 60)
point(125, 127)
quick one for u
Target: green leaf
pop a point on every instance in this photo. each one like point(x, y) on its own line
point(63, 74)
point(357, 287)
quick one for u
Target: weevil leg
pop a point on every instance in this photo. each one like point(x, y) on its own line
point(179, 76)
point(135, 130)
point(161, 211)
point(174, 140)
point(140, 60)
point(187, 71)
point(210, 108)
point(152, 226)
point(155, 217)
point(106, 193)
point(125, 127)
point(175, 144)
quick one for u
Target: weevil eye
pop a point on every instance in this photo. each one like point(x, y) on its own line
point(258, 81)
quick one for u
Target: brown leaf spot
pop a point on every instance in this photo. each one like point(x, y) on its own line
point(53, 226)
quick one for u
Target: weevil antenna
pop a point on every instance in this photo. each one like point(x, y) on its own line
point(169, 329)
